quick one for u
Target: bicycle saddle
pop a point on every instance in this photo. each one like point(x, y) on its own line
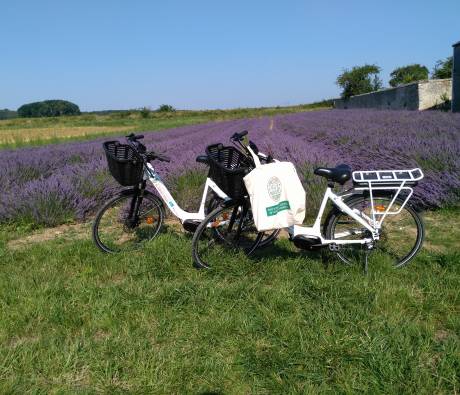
point(340, 173)
point(202, 159)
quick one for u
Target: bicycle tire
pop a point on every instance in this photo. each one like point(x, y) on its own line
point(401, 233)
point(126, 237)
point(268, 237)
point(232, 216)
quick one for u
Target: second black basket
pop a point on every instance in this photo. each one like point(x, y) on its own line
point(124, 164)
point(227, 167)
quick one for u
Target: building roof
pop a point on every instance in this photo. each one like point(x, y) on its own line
point(456, 44)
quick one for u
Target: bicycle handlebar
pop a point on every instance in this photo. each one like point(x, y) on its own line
point(134, 137)
point(237, 139)
point(132, 141)
point(239, 136)
point(153, 155)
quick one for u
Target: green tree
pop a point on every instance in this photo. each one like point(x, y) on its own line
point(166, 108)
point(443, 68)
point(7, 114)
point(407, 74)
point(48, 108)
point(360, 79)
point(145, 112)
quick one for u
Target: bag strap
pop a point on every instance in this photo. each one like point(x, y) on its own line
point(254, 156)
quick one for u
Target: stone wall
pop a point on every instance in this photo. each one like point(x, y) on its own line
point(420, 95)
point(432, 93)
point(456, 79)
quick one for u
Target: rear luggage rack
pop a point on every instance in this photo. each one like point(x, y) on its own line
point(387, 177)
point(398, 182)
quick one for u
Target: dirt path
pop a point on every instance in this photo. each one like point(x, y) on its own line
point(70, 232)
point(437, 239)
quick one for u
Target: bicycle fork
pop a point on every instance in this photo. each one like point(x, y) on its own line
point(233, 218)
point(133, 216)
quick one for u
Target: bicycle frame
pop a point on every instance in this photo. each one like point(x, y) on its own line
point(315, 230)
point(382, 180)
point(151, 175)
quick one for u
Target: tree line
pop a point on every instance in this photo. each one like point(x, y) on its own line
point(354, 81)
point(366, 79)
point(48, 108)
point(56, 108)
point(7, 114)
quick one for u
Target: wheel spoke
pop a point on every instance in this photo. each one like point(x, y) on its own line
point(224, 234)
point(400, 235)
point(113, 231)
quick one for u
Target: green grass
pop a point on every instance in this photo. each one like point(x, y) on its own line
point(77, 321)
point(21, 132)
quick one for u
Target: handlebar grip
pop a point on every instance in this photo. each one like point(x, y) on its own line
point(134, 137)
point(153, 155)
point(239, 136)
point(164, 158)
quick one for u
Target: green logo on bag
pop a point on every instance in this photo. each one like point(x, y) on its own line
point(281, 206)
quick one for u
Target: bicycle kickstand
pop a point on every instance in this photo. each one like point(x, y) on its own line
point(366, 263)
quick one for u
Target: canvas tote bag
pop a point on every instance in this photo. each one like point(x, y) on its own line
point(276, 193)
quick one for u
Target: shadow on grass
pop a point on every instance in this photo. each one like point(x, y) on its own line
point(278, 250)
point(282, 250)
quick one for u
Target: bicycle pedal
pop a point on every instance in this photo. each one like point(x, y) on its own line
point(334, 247)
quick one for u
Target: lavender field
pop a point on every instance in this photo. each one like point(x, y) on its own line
point(53, 184)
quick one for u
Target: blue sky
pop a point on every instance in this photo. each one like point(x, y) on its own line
point(209, 54)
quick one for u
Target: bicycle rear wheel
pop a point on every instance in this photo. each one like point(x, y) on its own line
point(127, 222)
point(401, 235)
point(224, 234)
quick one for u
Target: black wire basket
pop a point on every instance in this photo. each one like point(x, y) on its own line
point(124, 163)
point(227, 167)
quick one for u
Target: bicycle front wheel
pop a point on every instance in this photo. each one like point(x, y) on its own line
point(401, 235)
point(225, 233)
point(268, 237)
point(127, 221)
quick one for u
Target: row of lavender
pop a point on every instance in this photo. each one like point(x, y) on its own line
point(51, 184)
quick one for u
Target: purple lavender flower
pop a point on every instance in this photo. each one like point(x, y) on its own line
point(53, 183)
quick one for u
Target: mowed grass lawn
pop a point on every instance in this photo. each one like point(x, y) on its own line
point(74, 320)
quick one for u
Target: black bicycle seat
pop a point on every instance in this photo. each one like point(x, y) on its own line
point(202, 159)
point(340, 173)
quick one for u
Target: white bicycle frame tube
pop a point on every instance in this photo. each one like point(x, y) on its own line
point(315, 230)
point(160, 187)
point(371, 224)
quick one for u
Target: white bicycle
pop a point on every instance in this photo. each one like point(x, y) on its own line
point(371, 221)
point(135, 215)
